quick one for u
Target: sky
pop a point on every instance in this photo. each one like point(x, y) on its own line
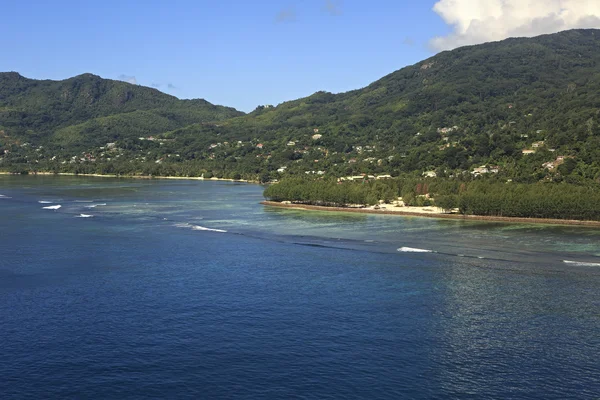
point(244, 53)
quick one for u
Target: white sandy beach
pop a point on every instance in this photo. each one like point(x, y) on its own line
point(399, 207)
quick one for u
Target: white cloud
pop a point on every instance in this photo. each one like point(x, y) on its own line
point(128, 79)
point(479, 21)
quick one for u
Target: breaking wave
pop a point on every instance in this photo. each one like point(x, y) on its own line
point(199, 228)
point(45, 202)
point(95, 205)
point(56, 207)
point(84, 216)
point(581, 263)
point(413, 250)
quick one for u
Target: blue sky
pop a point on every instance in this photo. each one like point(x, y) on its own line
point(231, 52)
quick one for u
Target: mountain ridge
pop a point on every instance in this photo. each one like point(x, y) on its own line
point(455, 111)
point(46, 106)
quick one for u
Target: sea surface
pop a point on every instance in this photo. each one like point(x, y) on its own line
point(167, 289)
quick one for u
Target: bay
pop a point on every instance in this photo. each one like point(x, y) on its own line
point(186, 289)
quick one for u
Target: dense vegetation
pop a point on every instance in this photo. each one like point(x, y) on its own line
point(83, 112)
point(520, 110)
point(471, 107)
point(487, 197)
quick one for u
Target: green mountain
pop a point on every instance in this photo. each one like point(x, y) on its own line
point(87, 110)
point(522, 109)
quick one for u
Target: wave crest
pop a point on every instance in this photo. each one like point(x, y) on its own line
point(199, 228)
point(413, 250)
point(582, 263)
point(95, 205)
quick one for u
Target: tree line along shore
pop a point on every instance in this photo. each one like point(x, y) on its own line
point(131, 176)
point(482, 199)
point(486, 198)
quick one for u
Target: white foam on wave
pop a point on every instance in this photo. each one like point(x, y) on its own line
point(85, 216)
point(4, 197)
point(581, 263)
point(56, 207)
point(45, 202)
point(199, 228)
point(413, 250)
point(95, 205)
point(202, 228)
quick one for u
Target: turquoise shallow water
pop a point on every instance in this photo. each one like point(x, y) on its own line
point(176, 289)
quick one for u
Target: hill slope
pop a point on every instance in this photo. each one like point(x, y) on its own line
point(86, 109)
point(526, 109)
point(477, 105)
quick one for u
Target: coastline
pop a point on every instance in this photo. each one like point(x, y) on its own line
point(190, 178)
point(438, 215)
point(411, 212)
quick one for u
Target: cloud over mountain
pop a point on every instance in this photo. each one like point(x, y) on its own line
point(479, 21)
point(128, 79)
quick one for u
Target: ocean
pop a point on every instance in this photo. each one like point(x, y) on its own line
point(188, 289)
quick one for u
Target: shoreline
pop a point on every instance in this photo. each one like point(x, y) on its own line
point(308, 207)
point(190, 178)
point(484, 218)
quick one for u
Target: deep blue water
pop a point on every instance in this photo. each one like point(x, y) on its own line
point(141, 301)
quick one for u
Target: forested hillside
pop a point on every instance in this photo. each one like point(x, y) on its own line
point(86, 110)
point(520, 109)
